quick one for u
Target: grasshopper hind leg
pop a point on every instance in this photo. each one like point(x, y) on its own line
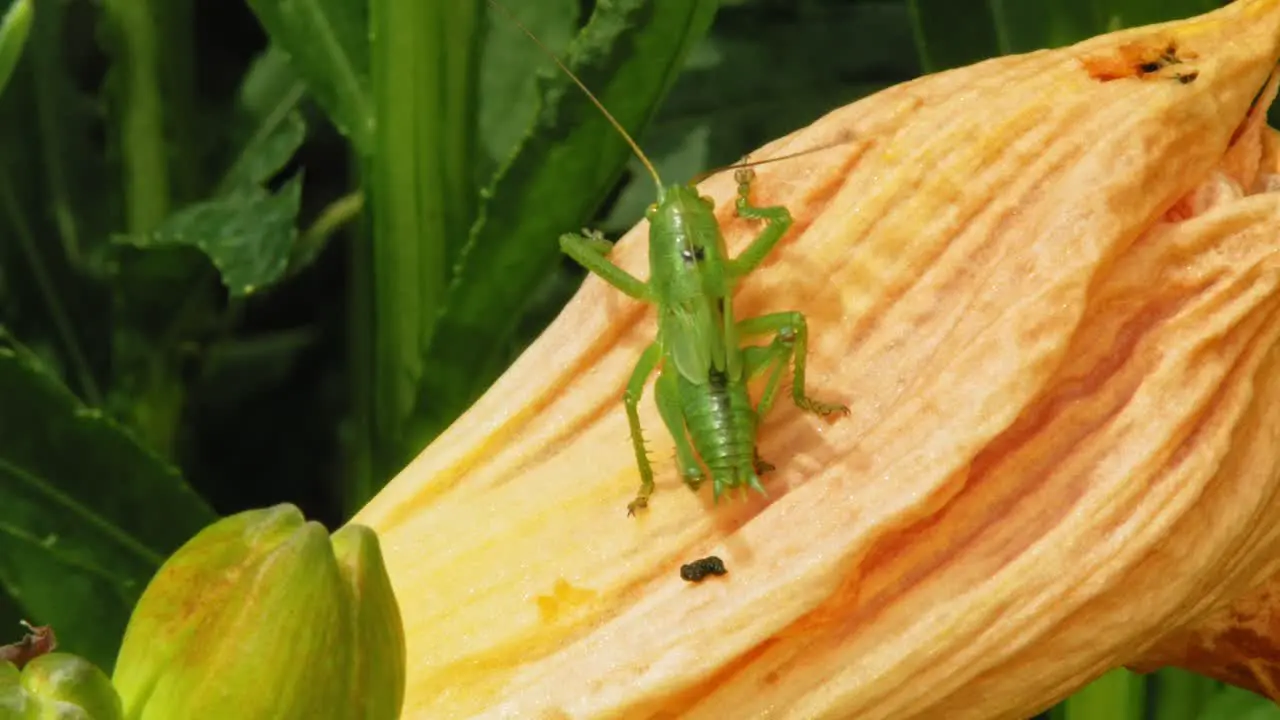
point(790, 342)
point(635, 389)
point(666, 392)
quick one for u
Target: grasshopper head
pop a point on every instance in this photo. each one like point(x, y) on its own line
point(686, 249)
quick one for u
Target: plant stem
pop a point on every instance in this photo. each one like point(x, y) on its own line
point(333, 218)
point(421, 195)
point(152, 95)
point(141, 118)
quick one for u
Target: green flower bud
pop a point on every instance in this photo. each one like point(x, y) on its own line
point(15, 701)
point(379, 675)
point(257, 617)
point(57, 686)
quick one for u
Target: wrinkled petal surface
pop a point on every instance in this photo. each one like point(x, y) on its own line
point(1050, 298)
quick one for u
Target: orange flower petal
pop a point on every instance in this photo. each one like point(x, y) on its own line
point(1061, 421)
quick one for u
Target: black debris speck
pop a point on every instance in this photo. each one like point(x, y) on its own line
point(698, 570)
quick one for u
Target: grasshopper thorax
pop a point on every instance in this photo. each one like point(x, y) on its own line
point(691, 281)
point(687, 256)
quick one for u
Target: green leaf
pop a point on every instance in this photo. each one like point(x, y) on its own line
point(952, 33)
point(77, 182)
point(89, 513)
point(1232, 703)
point(247, 234)
point(55, 289)
point(57, 202)
point(629, 53)
point(13, 36)
point(510, 66)
point(1117, 694)
point(326, 41)
point(1031, 26)
point(265, 152)
point(269, 90)
point(731, 98)
point(266, 128)
point(1178, 694)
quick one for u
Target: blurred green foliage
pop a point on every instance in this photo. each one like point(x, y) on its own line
point(265, 251)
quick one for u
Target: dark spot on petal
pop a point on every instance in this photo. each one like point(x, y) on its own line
point(698, 570)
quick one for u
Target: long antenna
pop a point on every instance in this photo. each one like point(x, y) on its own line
point(590, 96)
point(753, 163)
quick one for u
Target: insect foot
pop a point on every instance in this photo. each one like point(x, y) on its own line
point(762, 466)
point(694, 480)
point(821, 408)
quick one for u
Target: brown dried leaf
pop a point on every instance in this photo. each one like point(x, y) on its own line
point(39, 641)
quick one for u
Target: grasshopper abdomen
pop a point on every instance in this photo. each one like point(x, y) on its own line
point(722, 425)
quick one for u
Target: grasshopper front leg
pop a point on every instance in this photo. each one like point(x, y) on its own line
point(591, 251)
point(791, 341)
point(777, 222)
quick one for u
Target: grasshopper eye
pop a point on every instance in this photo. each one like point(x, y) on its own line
point(650, 211)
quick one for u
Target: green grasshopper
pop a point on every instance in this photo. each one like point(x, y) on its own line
point(701, 390)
